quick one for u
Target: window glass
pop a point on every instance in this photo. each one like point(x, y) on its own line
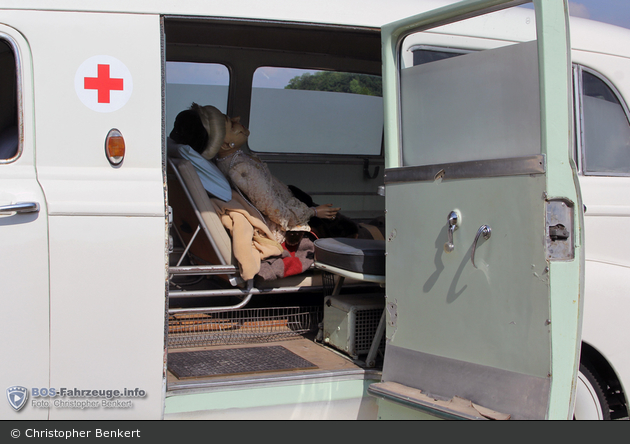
point(475, 106)
point(422, 55)
point(606, 132)
point(202, 83)
point(316, 112)
point(9, 140)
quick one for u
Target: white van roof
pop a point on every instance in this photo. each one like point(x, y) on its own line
point(586, 35)
point(347, 12)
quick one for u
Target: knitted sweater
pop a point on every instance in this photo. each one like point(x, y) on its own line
point(282, 211)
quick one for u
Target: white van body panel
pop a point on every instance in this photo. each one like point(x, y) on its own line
point(607, 216)
point(101, 298)
point(369, 13)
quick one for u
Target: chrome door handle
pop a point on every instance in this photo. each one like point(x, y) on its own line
point(20, 207)
point(484, 231)
point(453, 220)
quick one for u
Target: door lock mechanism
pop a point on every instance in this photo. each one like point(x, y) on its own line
point(558, 232)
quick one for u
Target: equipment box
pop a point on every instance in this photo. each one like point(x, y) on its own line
point(351, 321)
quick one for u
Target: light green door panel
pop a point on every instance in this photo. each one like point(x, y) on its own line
point(494, 314)
point(496, 318)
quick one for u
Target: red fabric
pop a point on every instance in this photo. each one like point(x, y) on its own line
point(292, 265)
point(295, 259)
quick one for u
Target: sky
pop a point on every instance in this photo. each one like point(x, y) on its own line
point(616, 12)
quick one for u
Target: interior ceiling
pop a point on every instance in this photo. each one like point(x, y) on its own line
point(356, 43)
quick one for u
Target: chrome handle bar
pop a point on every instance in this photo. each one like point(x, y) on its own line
point(20, 207)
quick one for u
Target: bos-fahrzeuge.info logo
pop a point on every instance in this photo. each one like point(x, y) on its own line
point(18, 396)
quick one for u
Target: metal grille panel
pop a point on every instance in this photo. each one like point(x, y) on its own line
point(244, 326)
point(366, 324)
point(234, 361)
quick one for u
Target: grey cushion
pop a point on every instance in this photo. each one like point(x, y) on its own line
point(366, 256)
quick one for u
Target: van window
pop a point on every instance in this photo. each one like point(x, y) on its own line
point(9, 139)
point(605, 129)
point(202, 83)
point(426, 54)
point(316, 112)
point(498, 81)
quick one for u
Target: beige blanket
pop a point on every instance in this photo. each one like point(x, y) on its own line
point(252, 241)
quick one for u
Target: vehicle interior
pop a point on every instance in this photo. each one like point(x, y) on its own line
point(313, 138)
point(325, 140)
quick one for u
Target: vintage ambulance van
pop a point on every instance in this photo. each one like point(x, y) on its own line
point(484, 160)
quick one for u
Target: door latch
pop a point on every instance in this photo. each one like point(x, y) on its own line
point(485, 231)
point(453, 221)
point(559, 232)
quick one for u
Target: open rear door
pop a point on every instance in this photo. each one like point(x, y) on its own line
point(484, 220)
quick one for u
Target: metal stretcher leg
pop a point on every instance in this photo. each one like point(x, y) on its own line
point(338, 285)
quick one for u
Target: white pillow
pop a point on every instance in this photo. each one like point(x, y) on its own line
point(211, 177)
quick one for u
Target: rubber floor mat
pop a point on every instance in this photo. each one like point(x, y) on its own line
point(233, 361)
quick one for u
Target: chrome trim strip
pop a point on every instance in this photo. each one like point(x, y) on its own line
point(467, 170)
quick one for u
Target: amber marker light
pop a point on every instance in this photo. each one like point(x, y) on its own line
point(115, 147)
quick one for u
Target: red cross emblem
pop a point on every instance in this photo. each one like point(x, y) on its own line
point(95, 92)
point(103, 83)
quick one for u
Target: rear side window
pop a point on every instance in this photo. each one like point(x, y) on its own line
point(605, 131)
point(316, 112)
point(202, 83)
point(427, 54)
point(9, 139)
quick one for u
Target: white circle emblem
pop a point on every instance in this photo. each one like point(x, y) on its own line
point(103, 83)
